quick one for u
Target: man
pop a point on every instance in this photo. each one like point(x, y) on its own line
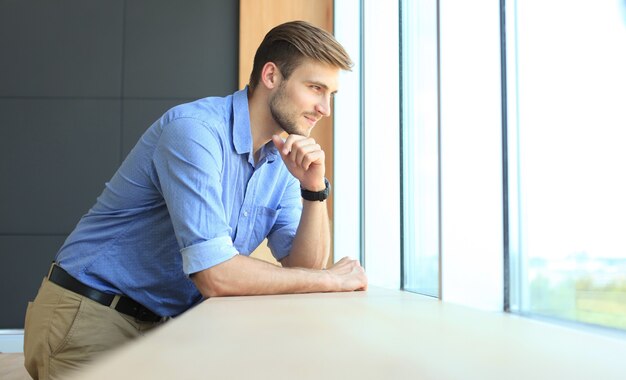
point(199, 192)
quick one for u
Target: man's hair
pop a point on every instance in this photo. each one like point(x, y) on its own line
point(288, 44)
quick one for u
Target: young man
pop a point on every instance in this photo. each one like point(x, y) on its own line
point(199, 192)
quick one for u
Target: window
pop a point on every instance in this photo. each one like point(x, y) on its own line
point(366, 141)
point(420, 147)
point(566, 137)
point(347, 189)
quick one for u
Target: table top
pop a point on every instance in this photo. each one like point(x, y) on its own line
point(375, 334)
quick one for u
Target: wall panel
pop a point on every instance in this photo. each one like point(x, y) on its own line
point(79, 83)
point(180, 49)
point(61, 48)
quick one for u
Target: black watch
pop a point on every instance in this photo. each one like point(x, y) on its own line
point(316, 195)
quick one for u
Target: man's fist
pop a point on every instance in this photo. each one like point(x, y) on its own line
point(305, 160)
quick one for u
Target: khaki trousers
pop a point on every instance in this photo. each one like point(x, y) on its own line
point(63, 331)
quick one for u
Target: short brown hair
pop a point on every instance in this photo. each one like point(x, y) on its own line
point(288, 44)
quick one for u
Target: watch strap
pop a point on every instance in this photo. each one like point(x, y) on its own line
point(316, 195)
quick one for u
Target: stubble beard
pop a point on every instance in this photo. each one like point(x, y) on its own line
point(281, 116)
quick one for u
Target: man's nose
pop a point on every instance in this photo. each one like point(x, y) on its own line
point(323, 107)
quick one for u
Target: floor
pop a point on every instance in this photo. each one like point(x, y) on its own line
point(12, 367)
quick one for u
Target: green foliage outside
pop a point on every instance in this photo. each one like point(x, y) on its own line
point(581, 299)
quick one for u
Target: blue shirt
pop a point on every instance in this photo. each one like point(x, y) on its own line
point(188, 196)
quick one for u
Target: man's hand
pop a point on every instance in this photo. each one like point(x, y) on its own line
point(349, 275)
point(304, 159)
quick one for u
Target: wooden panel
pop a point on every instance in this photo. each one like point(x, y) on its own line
point(257, 17)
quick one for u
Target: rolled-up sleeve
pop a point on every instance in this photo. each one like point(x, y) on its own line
point(188, 162)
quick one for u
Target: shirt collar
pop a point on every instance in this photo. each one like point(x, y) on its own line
point(242, 134)
point(269, 150)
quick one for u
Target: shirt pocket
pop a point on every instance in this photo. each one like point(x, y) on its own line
point(254, 230)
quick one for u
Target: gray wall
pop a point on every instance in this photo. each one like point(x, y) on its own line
point(79, 82)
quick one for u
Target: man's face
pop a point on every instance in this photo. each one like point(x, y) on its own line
point(304, 98)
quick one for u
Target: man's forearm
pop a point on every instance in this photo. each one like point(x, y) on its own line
point(304, 159)
point(311, 246)
point(244, 275)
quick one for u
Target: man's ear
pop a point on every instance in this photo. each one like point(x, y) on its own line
point(270, 75)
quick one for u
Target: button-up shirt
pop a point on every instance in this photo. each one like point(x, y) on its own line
point(189, 196)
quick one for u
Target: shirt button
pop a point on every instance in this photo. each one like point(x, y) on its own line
point(245, 214)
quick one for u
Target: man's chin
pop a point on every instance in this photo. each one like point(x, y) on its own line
point(306, 132)
point(299, 130)
point(306, 129)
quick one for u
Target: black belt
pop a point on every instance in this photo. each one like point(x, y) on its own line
point(124, 305)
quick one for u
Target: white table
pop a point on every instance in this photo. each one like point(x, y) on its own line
point(378, 334)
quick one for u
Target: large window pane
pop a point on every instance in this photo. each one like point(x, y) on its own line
point(567, 129)
point(420, 147)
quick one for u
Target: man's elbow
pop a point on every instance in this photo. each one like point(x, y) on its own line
point(209, 285)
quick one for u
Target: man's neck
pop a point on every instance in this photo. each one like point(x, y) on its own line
point(262, 124)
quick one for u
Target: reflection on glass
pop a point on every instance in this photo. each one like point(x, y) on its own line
point(420, 148)
point(568, 134)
